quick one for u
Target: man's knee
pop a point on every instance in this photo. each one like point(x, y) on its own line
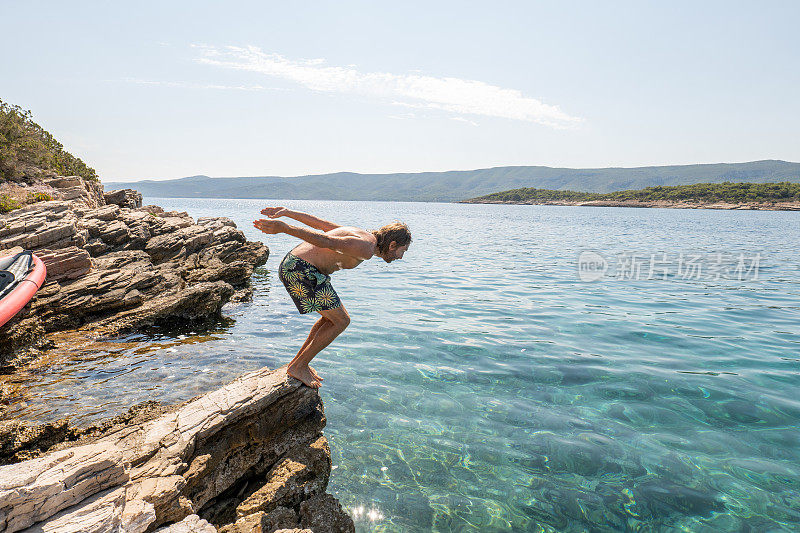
point(343, 321)
point(339, 319)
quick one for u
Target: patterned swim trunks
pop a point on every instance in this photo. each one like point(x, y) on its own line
point(310, 289)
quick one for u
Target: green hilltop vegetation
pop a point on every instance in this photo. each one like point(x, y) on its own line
point(27, 153)
point(727, 192)
point(27, 150)
point(459, 185)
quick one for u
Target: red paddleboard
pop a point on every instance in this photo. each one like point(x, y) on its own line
point(21, 275)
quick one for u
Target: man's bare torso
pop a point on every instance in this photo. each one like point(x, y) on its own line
point(327, 260)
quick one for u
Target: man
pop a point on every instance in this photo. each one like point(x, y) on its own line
point(306, 270)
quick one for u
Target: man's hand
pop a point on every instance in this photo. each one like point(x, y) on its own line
point(270, 227)
point(275, 212)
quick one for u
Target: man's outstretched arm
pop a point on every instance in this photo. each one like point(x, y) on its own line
point(305, 218)
point(346, 244)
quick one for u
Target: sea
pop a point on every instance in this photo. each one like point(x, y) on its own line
point(522, 368)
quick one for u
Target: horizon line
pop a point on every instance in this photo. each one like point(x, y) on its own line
point(447, 171)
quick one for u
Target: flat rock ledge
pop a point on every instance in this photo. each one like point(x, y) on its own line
point(119, 267)
point(249, 456)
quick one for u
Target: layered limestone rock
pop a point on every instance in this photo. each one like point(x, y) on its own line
point(113, 269)
point(124, 198)
point(247, 457)
point(87, 192)
point(21, 440)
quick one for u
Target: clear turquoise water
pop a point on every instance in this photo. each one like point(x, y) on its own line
point(481, 386)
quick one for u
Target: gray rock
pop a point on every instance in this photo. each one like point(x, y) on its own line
point(302, 473)
point(75, 188)
point(152, 209)
point(165, 469)
point(96, 247)
point(190, 524)
point(114, 233)
point(64, 181)
point(324, 514)
point(107, 213)
point(139, 235)
point(281, 517)
point(194, 305)
point(115, 260)
point(124, 198)
point(166, 223)
point(216, 222)
point(179, 271)
point(66, 263)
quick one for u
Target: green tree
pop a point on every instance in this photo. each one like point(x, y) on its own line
point(25, 145)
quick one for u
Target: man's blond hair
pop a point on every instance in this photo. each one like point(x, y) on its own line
point(396, 231)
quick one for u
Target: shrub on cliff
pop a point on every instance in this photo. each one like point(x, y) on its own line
point(7, 203)
point(26, 147)
point(34, 197)
point(15, 200)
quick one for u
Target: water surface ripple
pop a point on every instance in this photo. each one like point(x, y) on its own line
point(482, 386)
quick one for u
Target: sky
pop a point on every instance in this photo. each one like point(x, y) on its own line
point(159, 90)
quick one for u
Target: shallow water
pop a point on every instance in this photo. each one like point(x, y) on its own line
point(482, 386)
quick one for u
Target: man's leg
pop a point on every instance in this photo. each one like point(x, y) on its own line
point(311, 335)
point(337, 321)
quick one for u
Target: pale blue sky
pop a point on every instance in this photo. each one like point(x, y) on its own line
point(172, 89)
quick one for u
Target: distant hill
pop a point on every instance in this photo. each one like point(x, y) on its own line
point(731, 193)
point(461, 184)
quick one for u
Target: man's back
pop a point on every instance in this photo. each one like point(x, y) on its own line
point(329, 261)
point(305, 272)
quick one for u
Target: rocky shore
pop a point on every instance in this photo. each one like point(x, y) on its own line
point(247, 457)
point(753, 206)
point(115, 266)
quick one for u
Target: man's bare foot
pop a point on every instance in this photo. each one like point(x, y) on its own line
point(303, 374)
point(311, 368)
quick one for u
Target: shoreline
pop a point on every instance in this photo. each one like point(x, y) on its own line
point(776, 206)
point(247, 456)
point(116, 266)
point(772, 206)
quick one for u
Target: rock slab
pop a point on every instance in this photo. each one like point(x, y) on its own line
point(181, 470)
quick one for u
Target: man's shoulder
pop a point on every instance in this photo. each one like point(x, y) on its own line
point(368, 245)
point(353, 231)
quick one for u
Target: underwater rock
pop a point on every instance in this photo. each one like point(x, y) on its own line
point(662, 498)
